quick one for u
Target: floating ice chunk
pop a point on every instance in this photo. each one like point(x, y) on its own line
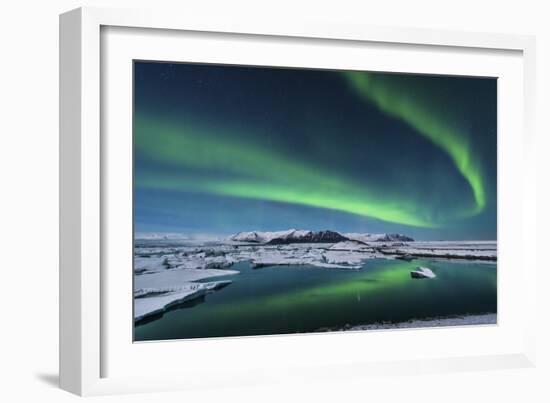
point(406, 257)
point(350, 245)
point(149, 302)
point(422, 272)
point(176, 277)
point(149, 264)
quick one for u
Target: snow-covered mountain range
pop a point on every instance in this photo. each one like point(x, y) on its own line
point(379, 237)
point(306, 236)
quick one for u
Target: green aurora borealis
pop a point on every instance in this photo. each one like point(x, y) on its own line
point(265, 175)
point(221, 149)
point(391, 98)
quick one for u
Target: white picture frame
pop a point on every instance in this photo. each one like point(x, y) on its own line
point(92, 356)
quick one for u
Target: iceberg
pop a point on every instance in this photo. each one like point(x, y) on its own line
point(422, 272)
point(155, 301)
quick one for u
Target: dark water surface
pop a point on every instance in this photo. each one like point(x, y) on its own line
point(296, 299)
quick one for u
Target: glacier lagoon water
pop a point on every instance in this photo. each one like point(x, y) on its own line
point(301, 299)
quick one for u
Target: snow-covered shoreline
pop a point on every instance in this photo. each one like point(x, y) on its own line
point(369, 245)
point(466, 250)
point(459, 320)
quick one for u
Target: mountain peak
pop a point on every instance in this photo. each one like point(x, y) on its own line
point(308, 236)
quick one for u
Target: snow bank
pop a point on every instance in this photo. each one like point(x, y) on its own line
point(462, 320)
point(470, 250)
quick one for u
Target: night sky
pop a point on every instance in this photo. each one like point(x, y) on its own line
point(222, 149)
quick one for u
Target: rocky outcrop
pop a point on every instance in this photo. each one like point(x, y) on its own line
point(310, 237)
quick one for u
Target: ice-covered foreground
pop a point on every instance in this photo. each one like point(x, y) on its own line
point(169, 273)
point(159, 288)
point(153, 301)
